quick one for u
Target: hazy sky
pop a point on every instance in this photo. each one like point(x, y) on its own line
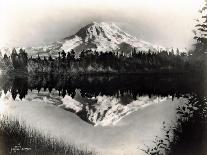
point(36, 22)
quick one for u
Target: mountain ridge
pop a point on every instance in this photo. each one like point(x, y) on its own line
point(105, 37)
point(100, 37)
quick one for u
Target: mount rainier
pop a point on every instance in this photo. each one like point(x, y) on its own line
point(97, 37)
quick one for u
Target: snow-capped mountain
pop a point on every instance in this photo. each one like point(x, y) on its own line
point(95, 36)
point(104, 37)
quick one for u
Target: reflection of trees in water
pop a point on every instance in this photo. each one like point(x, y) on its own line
point(189, 135)
point(17, 86)
point(175, 86)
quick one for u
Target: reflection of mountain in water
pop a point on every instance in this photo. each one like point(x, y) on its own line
point(102, 100)
point(106, 110)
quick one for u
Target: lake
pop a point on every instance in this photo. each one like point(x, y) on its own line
point(103, 114)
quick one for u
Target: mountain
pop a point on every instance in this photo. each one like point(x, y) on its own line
point(96, 36)
point(104, 37)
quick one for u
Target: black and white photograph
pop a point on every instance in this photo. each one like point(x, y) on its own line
point(103, 77)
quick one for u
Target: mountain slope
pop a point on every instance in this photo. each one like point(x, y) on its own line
point(96, 36)
point(104, 37)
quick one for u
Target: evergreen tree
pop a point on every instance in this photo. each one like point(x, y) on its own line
point(68, 56)
point(201, 32)
point(63, 55)
point(5, 57)
point(72, 54)
point(14, 58)
point(50, 58)
point(59, 55)
point(23, 59)
point(6, 61)
point(177, 51)
point(38, 58)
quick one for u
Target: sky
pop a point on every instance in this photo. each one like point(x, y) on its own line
point(37, 22)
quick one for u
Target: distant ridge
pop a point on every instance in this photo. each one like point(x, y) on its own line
point(98, 37)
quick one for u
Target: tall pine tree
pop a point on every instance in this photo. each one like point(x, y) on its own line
point(201, 32)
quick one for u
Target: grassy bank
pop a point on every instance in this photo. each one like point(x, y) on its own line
point(17, 138)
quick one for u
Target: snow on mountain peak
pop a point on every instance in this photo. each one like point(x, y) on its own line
point(101, 37)
point(104, 37)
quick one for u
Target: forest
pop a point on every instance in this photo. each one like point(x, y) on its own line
point(91, 62)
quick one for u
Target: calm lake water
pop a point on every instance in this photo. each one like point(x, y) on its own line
point(113, 115)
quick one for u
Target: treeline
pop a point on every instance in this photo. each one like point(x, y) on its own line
point(115, 62)
point(89, 62)
point(110, 62)
point(17, 60)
